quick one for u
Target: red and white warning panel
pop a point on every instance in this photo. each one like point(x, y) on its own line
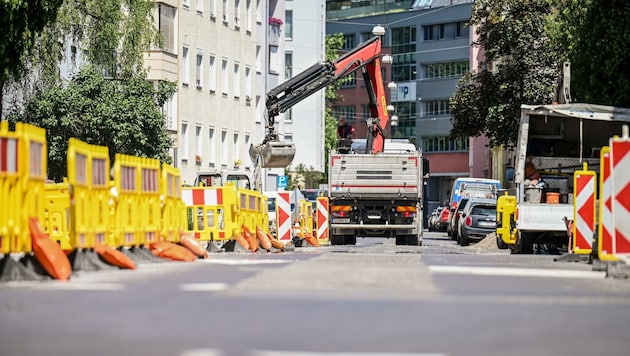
point(322, 219)
point(620, 190)
point(605, 227)
point(584, 210)
point(283, 214)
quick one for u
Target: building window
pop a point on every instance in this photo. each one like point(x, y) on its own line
point(365, 112)
point(212, 67)
point(198, 142)
point(224, 147)
point(366, 36)
point(236, 147)
point(166, 25)
point(446, 70)
point(436, 107)
point(259, 60)
point(224, 77)
point(288, 116)
point(199, 71)
point(346, 111)
point(200, 6)
point(259, 11)
point(237, 13)
point(186, 4)
point(445, 31)
point(168, 110)
point(237, 80)
point(288, 65)
point(444, 144)
point(350, 81)
point(211, 150)
point(224, 11)
point(288, 24)
point(183, 142)
point(250, 17)
point(274, 61)
point(288, 137)
point(186, 66)
point(213, 9)
point(349, 42)
point(403, 54)
point(248, 83)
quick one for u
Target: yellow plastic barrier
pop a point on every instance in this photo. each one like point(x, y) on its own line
point(173, 207)
point(22, 175)
point(506, 213)
point(250, 209)
point(211, 212)
point(149, 198)
point(57, 214)
point(88, 172)
point(127, 229)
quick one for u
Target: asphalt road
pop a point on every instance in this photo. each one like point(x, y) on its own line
point(374, 298)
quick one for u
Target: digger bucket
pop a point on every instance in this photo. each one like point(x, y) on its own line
point(273, 154)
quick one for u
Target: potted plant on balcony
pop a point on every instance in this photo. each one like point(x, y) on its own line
point(274, 21)
point(198, 159)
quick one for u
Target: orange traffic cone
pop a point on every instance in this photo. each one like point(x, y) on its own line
point(48, 253)
point(263, 239)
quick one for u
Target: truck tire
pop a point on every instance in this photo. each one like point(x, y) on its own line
point(412, 240)
point(500, 244)
point(350, 240)
point(524, 244)
point(401, 240)
point(337, 240)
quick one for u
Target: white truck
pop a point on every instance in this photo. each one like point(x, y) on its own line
point(556, 139)
point(376, 195)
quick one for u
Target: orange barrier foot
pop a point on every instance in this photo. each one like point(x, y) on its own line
point(12, 270)
point(48, 253)
point(311, 240)
point(189, 241)
point(87, 260)
point(114, 257)
point(264, 240)
point(251, 239)
point(171, 251)
point(275, 243)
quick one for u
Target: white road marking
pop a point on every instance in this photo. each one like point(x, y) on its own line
point(203, 287)
point(202, 352)
point(237, 262)
point(305, 353)
point(69, 286)
point(517, 272)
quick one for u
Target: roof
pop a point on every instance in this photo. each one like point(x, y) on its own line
point(580, 110)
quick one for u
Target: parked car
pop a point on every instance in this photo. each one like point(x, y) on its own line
point(443, 220)
point(433, 219)
point(455, 218)
point(479, 218)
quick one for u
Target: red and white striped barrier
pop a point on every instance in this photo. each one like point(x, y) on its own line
point(620, 190)
point(584, 209)
point(605, 228)
point(322, 219)
point(283, 217)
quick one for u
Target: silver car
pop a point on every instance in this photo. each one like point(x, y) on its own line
point(478, 219)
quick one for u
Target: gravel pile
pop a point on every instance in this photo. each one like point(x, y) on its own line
point(487, 243)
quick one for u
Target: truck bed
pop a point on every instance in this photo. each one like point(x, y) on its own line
point(375, 176)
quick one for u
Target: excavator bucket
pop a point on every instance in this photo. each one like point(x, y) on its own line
point(273, 154)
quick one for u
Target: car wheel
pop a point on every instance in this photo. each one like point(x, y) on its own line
point(463, 240)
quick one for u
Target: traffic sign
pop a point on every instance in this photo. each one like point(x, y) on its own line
point(282, 182)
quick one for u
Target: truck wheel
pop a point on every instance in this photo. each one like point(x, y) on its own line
point(350, 240)
point(412, 240)
point(524, 245)
point(500, 244)
point(463, 240)
point(337, 240)
point(401, 239)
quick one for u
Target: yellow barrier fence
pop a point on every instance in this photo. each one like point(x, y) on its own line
point(251, 210)
point(127, 224)
point(57, 214)
point(149, 198)
point(173, 207)
point(88, 172)
point(210, 212)
point(22, 177)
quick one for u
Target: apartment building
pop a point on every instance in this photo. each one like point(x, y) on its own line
point(430, 44)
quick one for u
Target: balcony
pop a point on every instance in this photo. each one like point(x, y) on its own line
point(161, 65)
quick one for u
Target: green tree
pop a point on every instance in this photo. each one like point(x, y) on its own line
point(595, 35)
point(525, 69)
point(121, 114)
point(21, 21)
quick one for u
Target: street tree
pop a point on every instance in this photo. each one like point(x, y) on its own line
point(520, 67)
point(123, 115)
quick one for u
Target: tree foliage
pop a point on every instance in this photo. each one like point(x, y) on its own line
point(521, 67)
point(595, 35)
point(121, 114)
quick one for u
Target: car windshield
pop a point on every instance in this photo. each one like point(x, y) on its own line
point(483, 210)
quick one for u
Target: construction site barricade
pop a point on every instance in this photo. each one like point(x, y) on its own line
point(506, 221)
point(149, 198)
point(127, 229)
point(306, 217)
point(584, 209)
point(283, 217)
point(173, 207)
point(57, 214)
point(88, 185)
point(23, 159)
point(605, 230)
point(322, 220)
point(252, 213)
point(620, 194)
point(211, 212)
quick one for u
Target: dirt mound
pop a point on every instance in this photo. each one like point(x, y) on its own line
point(487, 243)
